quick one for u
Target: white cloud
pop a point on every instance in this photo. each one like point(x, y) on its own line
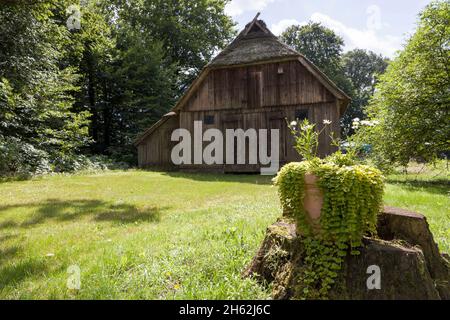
point(370, 38)
point(278, 28)
point(237, 7)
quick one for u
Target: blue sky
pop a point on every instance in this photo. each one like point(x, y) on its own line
point(378, 25)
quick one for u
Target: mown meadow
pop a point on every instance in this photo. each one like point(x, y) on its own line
point(155, 235)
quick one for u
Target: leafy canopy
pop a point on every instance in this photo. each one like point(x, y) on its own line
point(412, 99)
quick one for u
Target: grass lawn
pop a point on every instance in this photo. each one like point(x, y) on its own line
point(152, 235)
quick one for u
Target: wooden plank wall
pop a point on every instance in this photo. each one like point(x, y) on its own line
point(253, 87)
point(156, 148)
point(259, 97)
point(272, 118)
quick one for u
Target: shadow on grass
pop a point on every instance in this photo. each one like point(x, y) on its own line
point(7, 253)
point(219, 177)
point(15, 178)
point(440, 186)
point(20, 271)
point(58, 210)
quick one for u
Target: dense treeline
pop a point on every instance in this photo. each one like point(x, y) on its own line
point(83, 78)
point(412, 100)
point(400, 108)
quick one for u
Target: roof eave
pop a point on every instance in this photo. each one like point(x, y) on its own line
point(155, 126)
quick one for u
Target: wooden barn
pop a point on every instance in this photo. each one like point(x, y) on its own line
point(256, 82)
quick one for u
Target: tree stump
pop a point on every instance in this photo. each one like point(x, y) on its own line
point(409, 262)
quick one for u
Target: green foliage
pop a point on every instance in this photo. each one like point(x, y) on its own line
point(412, 98)
point(291, 189)
point(102, 84)
point(35, 88)
point(191, 31)
point(77, 163)
point(136, 58)
point(319, 44)
point(363, 68)
point(21, 158)
point(352, 199)
point(306, 138)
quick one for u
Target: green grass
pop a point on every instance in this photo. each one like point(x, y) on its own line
point(152, 235)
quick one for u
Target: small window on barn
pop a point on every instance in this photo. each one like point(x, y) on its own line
point(208, 120)
point(301, 114)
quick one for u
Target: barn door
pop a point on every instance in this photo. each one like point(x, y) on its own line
point(255, 89)
point(231, 121)
point(278, 121)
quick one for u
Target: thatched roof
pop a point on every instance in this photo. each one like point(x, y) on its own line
point(255, 43)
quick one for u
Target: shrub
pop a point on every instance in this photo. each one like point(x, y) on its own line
point(21, 159)
point(75, 163)
point(18, 158)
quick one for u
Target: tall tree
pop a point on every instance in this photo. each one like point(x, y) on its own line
point(191, 31)
point(36, 90)
point(136, 57)
point(412, 99)
point(363, 69)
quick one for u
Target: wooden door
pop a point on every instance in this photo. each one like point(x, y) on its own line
point(278, 121)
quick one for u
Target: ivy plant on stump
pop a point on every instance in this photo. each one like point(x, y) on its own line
point(334, 202)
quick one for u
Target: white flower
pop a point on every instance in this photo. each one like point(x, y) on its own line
point(308, 127)
point(326, 122)
point(366, 123)
point(293, 123)
point(356, 120)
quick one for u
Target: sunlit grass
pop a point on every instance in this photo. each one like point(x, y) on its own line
point(152, 235)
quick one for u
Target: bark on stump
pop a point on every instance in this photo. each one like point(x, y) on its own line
point(409, 259)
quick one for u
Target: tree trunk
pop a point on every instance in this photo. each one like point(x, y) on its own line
point(409, 262)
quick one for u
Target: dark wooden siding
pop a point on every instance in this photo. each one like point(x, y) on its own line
point(252, 87)
point(156, 148)
point(260, 97)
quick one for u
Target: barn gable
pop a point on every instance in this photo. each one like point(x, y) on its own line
point(256, 45)
point(278, 84)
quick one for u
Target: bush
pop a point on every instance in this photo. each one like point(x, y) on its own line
point(18, 158)
point(21, 159)
point(75, 163)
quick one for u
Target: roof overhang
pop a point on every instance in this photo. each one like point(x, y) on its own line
point(150, 130)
